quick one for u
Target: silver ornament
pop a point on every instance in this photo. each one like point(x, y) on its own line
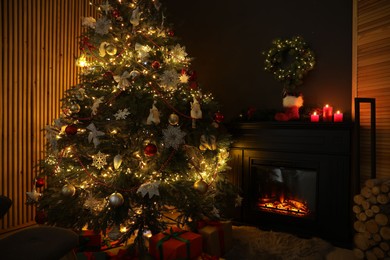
point(74, 108)
point(201, 186)
point(68, 190)
point(117, 161)
point(116, 199)
point(173, 119)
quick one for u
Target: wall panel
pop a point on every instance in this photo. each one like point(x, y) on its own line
point(39, 44)
point(373, 78)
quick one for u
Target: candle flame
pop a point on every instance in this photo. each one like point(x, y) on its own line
point(315, 113)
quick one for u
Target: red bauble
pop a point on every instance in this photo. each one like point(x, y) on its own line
point(156, 65)
point(193, 85)
point(219, 117)
point(115, 13)
point(39, 182)
point(40, 217)
point(71, 130)
point(150, 150)
point(171, 33)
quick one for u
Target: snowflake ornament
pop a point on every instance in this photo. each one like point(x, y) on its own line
point(102, 26)
point(178, 53)
point(173, 137)
point(184, 78)
point(99, 160)
point(122, 114)
point(150, 188)
point(170, 79)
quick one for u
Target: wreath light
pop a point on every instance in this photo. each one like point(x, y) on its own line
point(289, 60)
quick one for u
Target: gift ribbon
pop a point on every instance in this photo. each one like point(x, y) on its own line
point(173, 235)
point(218, 225)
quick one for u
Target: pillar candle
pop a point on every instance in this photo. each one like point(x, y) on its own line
point(338, 117)
point(314, 117)
point(327, 114)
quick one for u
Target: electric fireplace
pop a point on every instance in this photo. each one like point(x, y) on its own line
point(295, 177)
point(283, 190)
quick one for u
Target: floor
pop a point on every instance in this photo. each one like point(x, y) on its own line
point(341, 254)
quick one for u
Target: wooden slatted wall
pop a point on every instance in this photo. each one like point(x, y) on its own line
point(39, 44)
point(372, 45)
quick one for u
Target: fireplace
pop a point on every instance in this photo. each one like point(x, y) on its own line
point(295, 177)
point(283, 190)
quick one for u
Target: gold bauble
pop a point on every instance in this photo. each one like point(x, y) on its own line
point(68, 190)
point(117, 161)
point(111, 50)
point(201, 186)
point(173, 119)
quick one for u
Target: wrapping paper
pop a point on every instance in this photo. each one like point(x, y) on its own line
point(175, 243)
point(217, 236)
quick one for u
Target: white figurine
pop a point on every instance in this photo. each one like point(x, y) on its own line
point(154, 116)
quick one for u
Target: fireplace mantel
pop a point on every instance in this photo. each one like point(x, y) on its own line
point(322, 147)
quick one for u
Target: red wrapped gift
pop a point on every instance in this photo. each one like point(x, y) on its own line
point(92, 256)
point(217, 236)
point(175, 243)
point(89, 240)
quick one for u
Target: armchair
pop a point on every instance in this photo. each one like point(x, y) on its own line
point(37, 242)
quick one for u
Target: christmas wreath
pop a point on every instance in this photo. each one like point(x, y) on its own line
point(289, 60)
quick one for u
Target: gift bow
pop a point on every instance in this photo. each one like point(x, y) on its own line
point(173, 235)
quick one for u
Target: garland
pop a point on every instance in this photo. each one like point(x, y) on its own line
point(289, 60)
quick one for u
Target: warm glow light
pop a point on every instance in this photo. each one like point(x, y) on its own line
point(338, 117)
point(82, 61)
point(327, 113)
point(314, 117)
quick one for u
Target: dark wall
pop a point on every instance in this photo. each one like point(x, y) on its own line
point(227, 39)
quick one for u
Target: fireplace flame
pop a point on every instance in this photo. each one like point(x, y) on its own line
point(284, 206)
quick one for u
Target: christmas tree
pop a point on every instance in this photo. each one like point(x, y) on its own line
point(137, 139)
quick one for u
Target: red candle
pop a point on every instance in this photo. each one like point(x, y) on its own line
point(327, 113)
point(314, 117)
point(338, 117)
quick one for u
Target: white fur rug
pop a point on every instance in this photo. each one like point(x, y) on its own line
point(252, 243)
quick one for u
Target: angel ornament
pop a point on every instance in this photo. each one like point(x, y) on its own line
point(154, 116)
point(196, 112)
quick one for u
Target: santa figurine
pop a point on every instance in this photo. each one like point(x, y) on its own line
point(291, 104)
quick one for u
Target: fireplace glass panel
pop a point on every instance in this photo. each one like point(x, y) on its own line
point(284, 190)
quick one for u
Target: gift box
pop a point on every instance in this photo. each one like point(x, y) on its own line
point(175, 243)
point(89, 240)
point(217, 236)
point(92, 256)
